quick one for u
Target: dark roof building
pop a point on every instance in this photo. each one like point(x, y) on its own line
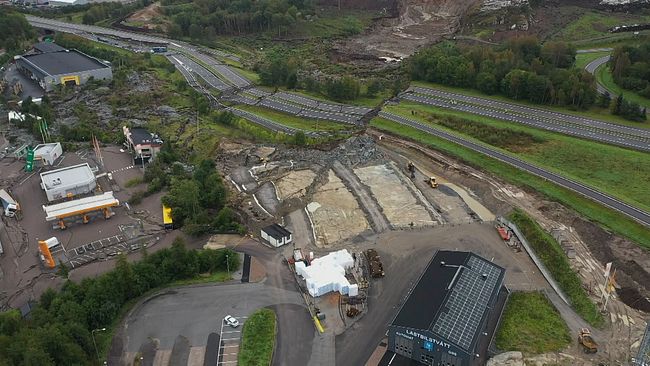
point(143, 144)
point(276, 235)
point(52, 65)
point(451, 313)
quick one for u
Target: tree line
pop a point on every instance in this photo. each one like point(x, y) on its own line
point(16, 34)
point(59, 328)
point(630, 66)
point(521, 69)
point(203, 19)
point(279, 68)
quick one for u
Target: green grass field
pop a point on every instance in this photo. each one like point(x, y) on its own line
point(553, 257)
point(594, 113)
point(594, 24)
point(620, 172)
point(530, 324)
point(258, 339)
point(604, 76)
point(296, 122)
point(605, 217)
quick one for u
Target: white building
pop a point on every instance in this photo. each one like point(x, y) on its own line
point(48, 153)
point(276, 235)
point(327, 274)
point(68, 182)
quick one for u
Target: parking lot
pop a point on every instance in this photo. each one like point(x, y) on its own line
point(230, 341)
point(198, 312)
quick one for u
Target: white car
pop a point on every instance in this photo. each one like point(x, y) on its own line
point(230, 320)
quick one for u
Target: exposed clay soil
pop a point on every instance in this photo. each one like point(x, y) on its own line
point(418, 23)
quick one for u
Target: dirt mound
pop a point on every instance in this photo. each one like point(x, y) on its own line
point(634, 299)
point(418, 23)
point(148, 18)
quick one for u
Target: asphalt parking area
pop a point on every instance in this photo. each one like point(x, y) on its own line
point(230, 342)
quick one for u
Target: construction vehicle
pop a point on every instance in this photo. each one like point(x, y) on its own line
point(411, 169)
point(432, 182)
point(9, 205)
point(587, 342)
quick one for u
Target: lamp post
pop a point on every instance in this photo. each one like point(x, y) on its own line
point(95, 343)
point(228, 265)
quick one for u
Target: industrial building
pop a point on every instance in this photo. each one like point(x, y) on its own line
point(143, 144)
point(48, 153)
point(450, 315)
point(50, 65)
point(68, 182)
point(276, 235)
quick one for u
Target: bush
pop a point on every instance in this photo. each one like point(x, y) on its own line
point(134, 182)
point(532, 325)
point(258, 339)
point(551, 254)
point(136, 197)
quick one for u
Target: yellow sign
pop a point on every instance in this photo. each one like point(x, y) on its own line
point(49, 261)
point(74, 78)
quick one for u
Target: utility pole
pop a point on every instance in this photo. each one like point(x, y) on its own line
point(95, 343)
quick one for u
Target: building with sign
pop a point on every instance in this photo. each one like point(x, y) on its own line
point(143, 144)
point(450, 315)
point(51, 66)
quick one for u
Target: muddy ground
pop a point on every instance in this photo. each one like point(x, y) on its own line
point(633, 263)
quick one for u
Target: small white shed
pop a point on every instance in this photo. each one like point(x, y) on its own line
point(276, 235)
point(48, 153)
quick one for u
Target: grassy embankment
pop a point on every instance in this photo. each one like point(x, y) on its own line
point(605, 217)
point(532, 325)
point(553, 257)
point(258, 339)
point(306, 124)
point(617, 171)
point(583, 59)
point(601, 114)
point(604, 76)
point(594, 24)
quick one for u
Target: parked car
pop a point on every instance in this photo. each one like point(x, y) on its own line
point(230, 320)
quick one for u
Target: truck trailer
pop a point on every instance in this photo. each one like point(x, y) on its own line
point(9, 205)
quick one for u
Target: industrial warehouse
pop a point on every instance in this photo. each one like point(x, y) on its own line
point(451, 313)
point(50, 65)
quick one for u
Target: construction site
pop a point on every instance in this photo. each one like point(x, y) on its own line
point(390, 204)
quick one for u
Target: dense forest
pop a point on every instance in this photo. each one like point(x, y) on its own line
point(204, 18)
point(92, 13)
point(59, 329)
point(521, 69)
point(631, 68)
point(15, 33)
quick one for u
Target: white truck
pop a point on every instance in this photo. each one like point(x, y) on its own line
point(9, 205)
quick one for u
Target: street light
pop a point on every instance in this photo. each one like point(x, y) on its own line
point(228, 265)
point(95, 343)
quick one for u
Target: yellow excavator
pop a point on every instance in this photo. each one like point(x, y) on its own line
point(432, 182)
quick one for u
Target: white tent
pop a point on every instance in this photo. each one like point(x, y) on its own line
point(327, 274)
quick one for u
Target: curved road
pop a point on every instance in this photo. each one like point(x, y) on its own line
point(593, 66)
point(609, 201)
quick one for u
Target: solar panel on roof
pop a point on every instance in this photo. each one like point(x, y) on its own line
point(643, 356)
point(468, 302)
